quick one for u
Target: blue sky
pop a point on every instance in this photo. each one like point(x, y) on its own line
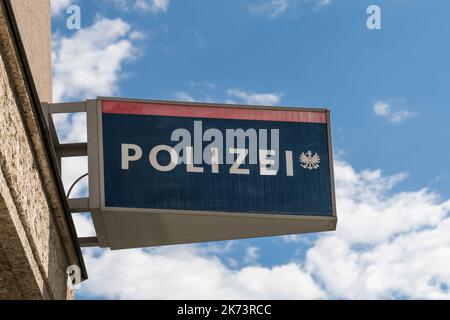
point(388, 91)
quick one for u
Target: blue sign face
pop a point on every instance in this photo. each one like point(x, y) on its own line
point(216, 159)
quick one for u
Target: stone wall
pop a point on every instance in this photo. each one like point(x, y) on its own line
point(34, 21)
point(35, 239)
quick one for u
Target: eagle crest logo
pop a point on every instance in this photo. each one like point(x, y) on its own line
point(309, 160)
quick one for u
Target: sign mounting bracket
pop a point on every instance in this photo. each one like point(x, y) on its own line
point(79, 149)
point(147, 203)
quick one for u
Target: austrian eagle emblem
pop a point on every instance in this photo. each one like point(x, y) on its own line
point(309, 160)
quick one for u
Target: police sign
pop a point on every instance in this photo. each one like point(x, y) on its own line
point(177, 172)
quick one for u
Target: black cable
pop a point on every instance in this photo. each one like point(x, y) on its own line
point(73, 184)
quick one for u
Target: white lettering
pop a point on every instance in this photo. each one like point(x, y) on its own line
point(289, 166)
point(242, 154)
point(126, 157)
point(215, 160)
point(190, 161)
point(154, 161)
point(266, 164)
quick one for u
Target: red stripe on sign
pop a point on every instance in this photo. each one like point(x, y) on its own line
point(214, 112)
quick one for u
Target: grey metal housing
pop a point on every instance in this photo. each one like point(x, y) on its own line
point(121, 228)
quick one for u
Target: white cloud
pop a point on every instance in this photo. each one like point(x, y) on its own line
point(276, 8)
point(384, 110)
point(59, 6)
point(322, 3)
point(251, 254)
point(89, 63)
point(381, 108)
point(71, 128)
point(292, 238)
point(84, 225)
point(234, 96)
point(86, 65)
point(153, 6)
point(271, 8)
point(183, 96)
point(72, 169)
point(240, 96)
point(387, 245)
point(184, 272)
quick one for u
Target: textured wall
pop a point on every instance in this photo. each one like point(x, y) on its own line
point(35, 246)
point(33, 241)
point(34, 21)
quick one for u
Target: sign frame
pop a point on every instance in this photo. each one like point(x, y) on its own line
point(101, 213)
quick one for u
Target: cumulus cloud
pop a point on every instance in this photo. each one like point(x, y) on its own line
point(89, 63)
point(86, 65)
point(186, 273)
point(241, 96)
point(387, 245)
point(384, 110)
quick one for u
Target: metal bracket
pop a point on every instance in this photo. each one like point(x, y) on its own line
point(79, 205)
point(88, 242)
point(67, 150)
